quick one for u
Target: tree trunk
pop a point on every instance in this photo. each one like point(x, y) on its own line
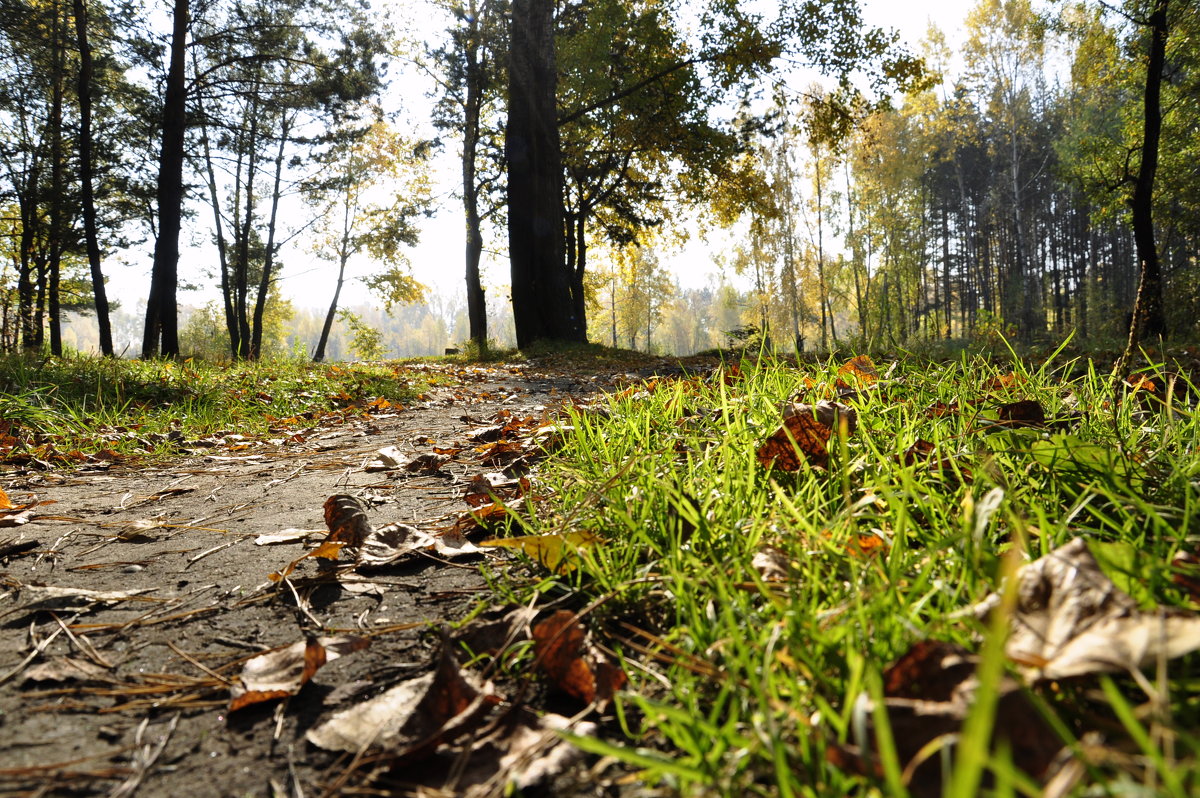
point(476, 299)
point(58, 231)
point(1148, 316)
point(268, 269)
point(541, 293)
point(162, 320)
point(241, 280)
point(86, 189)
point(319, 354)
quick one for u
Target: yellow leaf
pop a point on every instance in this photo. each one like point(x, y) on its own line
point(558, 553)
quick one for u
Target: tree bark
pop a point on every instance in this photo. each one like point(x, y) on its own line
point(476, 299)
point(1148, 315)
point(86, 188)
point(162, 320)
point(541, 292)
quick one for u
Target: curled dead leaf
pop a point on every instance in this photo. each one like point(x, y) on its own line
point(346, 518)
point(1071, 620)
point(559, 650)
point(281, 673)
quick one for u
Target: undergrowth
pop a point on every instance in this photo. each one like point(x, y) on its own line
point(55, 408)
point(741, 684)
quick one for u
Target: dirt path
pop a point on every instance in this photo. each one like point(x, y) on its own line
point(125, 689)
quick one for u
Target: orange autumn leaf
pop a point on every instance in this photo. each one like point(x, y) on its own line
point(5, 502)
point(1140, 382)
point(558, 645)
point(860, 368)
point(277, 674)
point(800, 436)
point(1002, 381)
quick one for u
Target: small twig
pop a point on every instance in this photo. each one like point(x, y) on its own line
point(180, 652)
point(144, 757)
point(83, 644)
point(38, 649)
point(213, 550)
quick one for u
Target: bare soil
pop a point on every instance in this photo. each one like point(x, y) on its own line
point(128, 693)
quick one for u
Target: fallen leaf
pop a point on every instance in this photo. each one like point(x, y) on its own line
point(860, 369)
point(1026, 413)
point(1071, 620)
point(67, 669)
point(559, 648)
point(556, 553)
point(771, 563)
point(388, 458)
point(927, 695)
point(281, 673)
point(394, 541)
point(428, 463)
point(346, 518)
point(46, 597)
point(422, 711)
point(290, 535)
point(806, 431)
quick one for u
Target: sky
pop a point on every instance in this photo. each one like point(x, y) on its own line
point(438, 259)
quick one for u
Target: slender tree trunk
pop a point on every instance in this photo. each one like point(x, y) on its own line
point(246, 227)
point(1148, 316)
point(268, 269)
point(162, 320)
point(218, 220)
point(476, 298)
point(541, 292)
point(58, 232)
point(86, 188)
point(327, 327)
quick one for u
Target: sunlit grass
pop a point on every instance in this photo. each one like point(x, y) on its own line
point(88, 404)
point(748, 681)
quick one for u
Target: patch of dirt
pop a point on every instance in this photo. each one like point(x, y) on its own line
point(126, 689)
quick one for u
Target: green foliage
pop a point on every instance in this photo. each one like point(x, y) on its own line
point(366, 341)
point(57, 406)
point(746, 679)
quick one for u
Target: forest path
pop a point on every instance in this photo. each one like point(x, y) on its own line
point(131, 599)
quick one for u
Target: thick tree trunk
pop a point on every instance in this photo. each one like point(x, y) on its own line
point(86, 188)
point(162, 320)
point(541, 292)
point(1149, 319)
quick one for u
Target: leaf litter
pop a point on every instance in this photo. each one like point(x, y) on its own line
point(236, 499)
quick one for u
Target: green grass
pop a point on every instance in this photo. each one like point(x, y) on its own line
point(753, 680)
point(57, 408)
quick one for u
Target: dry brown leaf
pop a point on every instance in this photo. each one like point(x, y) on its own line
point(67, 669)
point(281, 673)
point(1026, 413)
point(394, 541)
point(388, 458)
point(806, 431)
point(523, 750)
point(420, 712)
point(928, 694)
point(771, 563)
point(346, 518)
point(1071, 620)
point(559, 649)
